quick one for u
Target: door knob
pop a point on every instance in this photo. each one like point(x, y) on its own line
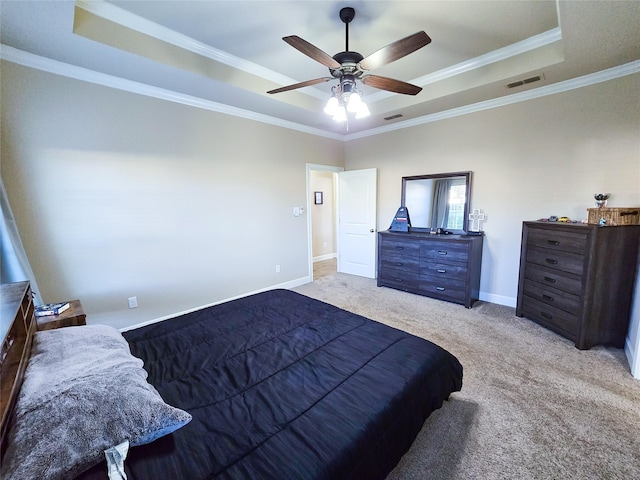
point(372, 230)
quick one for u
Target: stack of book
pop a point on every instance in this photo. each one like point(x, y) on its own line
point(51, 309)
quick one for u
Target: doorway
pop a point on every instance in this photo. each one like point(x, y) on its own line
point(322, 221)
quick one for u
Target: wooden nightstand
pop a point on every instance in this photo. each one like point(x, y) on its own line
point(73, 316)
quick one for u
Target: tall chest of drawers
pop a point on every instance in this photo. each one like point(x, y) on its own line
point(446, 267)
point(578, 280)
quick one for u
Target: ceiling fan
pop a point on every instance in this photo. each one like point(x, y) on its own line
point(348, 66)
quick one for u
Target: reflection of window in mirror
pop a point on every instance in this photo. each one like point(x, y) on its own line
point(456, 206)
point(437, 201)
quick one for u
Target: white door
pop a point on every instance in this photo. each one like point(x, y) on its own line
point(357, 232)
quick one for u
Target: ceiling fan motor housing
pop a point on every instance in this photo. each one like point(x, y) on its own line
point(349, 63)
point(347, 14)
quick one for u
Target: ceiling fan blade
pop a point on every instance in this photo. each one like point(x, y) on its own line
point(391, 85)
point(395, 51)
point(301, 84)
point(311, 51)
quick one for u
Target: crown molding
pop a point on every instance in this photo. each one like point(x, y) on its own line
point(564, 86)
point(139, 24)
point(26, 59)
point(20, 57)
point(518, 48)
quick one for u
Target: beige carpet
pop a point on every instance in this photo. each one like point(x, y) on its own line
point(532, 406)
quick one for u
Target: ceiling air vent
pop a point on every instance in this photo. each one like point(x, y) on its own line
point(393, 117)
point(520, 83)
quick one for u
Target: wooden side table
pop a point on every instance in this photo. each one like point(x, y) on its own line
point(71, 317)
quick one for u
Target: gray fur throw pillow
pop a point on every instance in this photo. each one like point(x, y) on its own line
point(83, 393)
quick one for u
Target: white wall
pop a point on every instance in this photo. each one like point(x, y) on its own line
point(119, 195)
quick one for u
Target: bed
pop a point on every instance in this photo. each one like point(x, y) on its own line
point(271, 386)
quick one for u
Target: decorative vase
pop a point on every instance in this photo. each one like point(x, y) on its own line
point(601, 199)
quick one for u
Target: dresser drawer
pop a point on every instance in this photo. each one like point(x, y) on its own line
point(566, 262)
point(553, 278)
point(556, 298)
point(400, 263)
point(445, 252)
point(454, 271)
point(445, 289)
point(400, 247)
point(574, 242)
point(553, 318)
point(390, 278)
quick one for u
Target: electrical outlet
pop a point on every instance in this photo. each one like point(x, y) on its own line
point(133, 302)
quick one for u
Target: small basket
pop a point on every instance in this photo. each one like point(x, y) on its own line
point(614, 217)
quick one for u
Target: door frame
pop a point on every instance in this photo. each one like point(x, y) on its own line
point(322, 168)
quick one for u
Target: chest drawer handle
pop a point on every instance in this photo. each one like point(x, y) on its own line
point(552, 261)
point(399, 264)
point(547, 315)
point(399, 280)
point(547, 297)
point(441, 252)
point(441, 270)
point(398, 247)
point(549, 280)
point(441, 289)
point(553, 242)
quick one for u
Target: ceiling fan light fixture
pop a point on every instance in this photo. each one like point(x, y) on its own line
point(332, 106)
point(340, 115)
point(363, 111)
point(354, 101)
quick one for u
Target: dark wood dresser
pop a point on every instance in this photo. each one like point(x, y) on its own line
point(16, 311)
point(578, 280)
point(446, 267)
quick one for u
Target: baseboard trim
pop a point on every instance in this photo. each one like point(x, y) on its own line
point(322, 258)
point(286, 285)
point(632, 358)
point(499, 299)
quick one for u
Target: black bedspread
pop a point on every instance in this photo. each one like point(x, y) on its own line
point(282, 386)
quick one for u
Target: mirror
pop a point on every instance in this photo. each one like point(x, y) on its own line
point(438, 201)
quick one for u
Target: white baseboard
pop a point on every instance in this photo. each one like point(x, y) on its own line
point(499, 299)
point(286, 285)
point(322, 258)
point(632, 358)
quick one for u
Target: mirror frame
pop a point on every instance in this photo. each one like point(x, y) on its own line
point(436, 176)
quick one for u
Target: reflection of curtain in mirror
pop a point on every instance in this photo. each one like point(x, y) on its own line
point(440, 212)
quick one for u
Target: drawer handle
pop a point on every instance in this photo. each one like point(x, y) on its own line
point(441, 289)
point(399, 264)
point(441, 270)
point(552, 261)
point(549, 279)
point(553, 242)
point(399, 280)
point(398, 247)
point(547, 297)
point(547, 315)
point(441, 252)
